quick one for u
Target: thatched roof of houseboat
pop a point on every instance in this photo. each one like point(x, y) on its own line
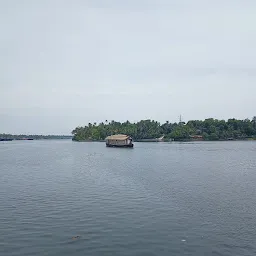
point(118, 137)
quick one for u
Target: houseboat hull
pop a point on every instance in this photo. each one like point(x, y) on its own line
point(119, 146)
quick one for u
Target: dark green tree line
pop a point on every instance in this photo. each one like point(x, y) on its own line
point(209, 129)
point(35, 137)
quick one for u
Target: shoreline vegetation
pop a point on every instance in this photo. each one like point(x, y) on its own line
point(152, 131)
point(6, 137)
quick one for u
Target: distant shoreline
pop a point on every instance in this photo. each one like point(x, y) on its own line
point(167, 141)
point(10, 137)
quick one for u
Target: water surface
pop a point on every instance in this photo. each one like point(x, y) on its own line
point(156, 199)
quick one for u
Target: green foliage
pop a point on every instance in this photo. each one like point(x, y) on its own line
point(144, 129)
point(209, 129)
point(35, 137)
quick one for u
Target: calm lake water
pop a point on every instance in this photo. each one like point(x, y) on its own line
point(156, 199)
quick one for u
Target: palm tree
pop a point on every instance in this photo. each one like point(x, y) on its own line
point(254, 122)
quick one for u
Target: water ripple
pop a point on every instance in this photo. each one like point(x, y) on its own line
point(157, 199)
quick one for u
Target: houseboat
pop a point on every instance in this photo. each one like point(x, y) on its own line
point(119, 140)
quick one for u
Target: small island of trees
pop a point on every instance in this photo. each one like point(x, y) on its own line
point(209, 129)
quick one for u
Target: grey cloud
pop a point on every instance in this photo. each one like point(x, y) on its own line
point(81, 61)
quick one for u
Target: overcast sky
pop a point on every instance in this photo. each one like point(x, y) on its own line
point(64, 63)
